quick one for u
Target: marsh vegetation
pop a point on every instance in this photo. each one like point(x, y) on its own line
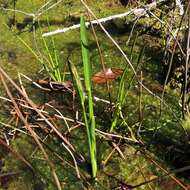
point(94, 94)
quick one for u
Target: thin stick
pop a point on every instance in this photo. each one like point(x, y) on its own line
point(74, 160)
point(143, 175)
point(149, 157)
point(34, 135)
point(105, 161)
point(140, 98)
point(102, 62)
point(38, 13)
point(119, 48)
point(8, 174)
point(186, 64)
point(66, 123)
point(18, 156)
point(118, 150)
point(35, 108)
point(135, 11)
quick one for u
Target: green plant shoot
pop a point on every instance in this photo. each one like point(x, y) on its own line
point(87, 79)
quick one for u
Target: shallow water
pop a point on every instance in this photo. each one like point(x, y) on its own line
point(114, 172)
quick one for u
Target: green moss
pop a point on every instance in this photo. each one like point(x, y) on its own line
point(68, 45)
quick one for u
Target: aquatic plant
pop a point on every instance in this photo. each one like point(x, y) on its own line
point(89, 120)
point(131, 170)
point(121, 96)
point(49, 57)
point(50, 62)
point(53, 66)
point(122, 93)
point(87, 79)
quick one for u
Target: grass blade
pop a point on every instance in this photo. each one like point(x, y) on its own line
point(87, 79)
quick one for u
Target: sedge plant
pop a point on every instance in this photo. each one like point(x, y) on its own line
point(88, 114)
point(48, 58)
point(122, 93)
point(53, 66)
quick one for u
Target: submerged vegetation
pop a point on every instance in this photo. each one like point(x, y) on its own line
point(107, 107)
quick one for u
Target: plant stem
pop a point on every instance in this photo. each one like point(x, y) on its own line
point(87, 79)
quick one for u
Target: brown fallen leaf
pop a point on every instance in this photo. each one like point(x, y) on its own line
point(107, 75)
